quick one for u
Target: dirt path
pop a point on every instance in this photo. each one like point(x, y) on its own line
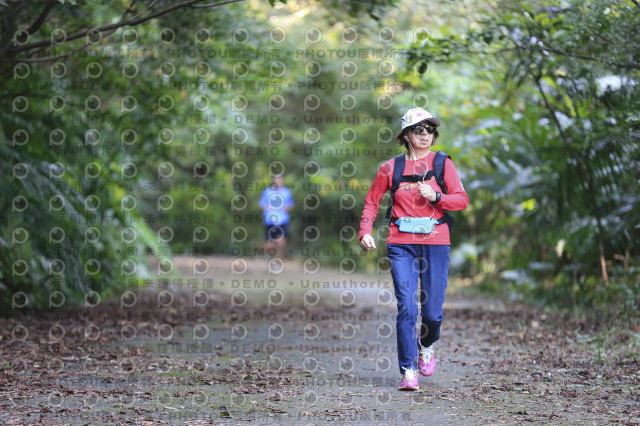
point(261, 347)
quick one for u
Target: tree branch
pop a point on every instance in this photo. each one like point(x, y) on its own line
point(117, 25)
point(65, 55)
point(199, 6)
point(587, 58)
point(547, 48)
point(43, 15)
point(464, 48)
point(32, 29)
point(61, 56)
point(149, 6)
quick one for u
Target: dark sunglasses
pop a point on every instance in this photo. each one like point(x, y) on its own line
point(417, 130)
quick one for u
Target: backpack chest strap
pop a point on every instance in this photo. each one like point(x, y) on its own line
point(418, 177)
point(398, 168)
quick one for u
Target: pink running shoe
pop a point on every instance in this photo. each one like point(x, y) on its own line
point(409, 381)
point(426, 360)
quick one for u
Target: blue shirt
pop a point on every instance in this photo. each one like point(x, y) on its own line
point(273, 203)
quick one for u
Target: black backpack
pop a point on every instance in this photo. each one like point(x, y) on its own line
point(437, 171)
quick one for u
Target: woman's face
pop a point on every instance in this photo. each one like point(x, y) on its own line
point(423, 139)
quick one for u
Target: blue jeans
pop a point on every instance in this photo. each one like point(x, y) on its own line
point(431, 264)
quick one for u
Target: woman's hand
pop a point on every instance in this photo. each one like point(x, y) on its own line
point(427, 191)
point(367, 242)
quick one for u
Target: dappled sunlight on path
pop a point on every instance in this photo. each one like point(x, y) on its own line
point(291, 354)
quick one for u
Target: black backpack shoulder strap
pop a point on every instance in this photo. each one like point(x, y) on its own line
point(398, 169)
point(438, 168)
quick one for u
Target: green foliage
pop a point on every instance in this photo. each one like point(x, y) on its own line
point(115, 113)
point(562, 145)
point(177, 122)
point(62, 169)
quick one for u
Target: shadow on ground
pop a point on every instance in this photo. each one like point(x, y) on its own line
point(243, 343)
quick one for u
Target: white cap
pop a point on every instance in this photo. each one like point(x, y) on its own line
point(417, 115)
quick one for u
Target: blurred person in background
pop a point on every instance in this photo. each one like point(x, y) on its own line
point(276, 202)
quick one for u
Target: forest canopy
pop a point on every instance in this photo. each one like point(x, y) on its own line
point(140, 128)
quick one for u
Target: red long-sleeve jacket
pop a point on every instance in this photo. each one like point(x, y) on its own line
point(409, 203)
